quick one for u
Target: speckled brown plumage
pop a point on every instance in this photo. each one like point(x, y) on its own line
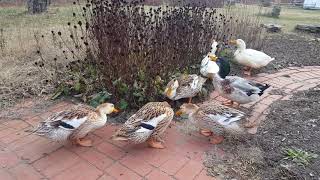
point(148, 112)
point(226, 86)
point(73, 123)
point(185, 88)
point(216, 117)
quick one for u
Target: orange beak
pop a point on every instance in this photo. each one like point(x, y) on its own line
point(115, 110)
point(179, 113)
point(169, 92)
point(234, 42)
point(213, 57)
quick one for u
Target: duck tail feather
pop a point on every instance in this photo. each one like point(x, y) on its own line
point(263, 88)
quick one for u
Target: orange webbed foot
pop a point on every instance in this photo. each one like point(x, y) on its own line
point(155, 144)
point(84, 142)
point(228, 103)
point(216, 139)
point(205, 132)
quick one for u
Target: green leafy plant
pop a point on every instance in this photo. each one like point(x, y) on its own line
point(99, 98)
point(61, 90)
point(299, 156)
point(123, 104)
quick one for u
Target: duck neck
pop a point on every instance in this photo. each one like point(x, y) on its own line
point(102, 115)
point(241, 47)
point(193, 112)
point(216, 81)
point(216, 78)
point(213, 50)
point(173, 92)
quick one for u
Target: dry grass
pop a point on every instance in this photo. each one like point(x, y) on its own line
point(18, 76)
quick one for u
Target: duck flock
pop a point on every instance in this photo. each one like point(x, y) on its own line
point(150, 122)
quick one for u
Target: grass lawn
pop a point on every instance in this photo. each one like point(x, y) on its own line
point(291, 16)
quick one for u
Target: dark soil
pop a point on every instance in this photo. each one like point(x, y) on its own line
point(289, 50)
point(293, 124)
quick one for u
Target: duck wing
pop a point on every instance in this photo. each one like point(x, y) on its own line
point(246, 86)
point(143, 118)
point(187, 80)
point(223, 114)
point(221, 117)
point(66, 120)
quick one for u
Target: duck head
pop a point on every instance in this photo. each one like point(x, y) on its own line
point(107, 108)
point(187, 109)
point(171, 89)
point(239, 43)
point(214, 46)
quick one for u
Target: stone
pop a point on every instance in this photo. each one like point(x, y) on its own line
point(311, 28)
point(272, 27)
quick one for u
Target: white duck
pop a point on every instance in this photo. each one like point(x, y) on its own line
point(249, 57)
point(206, 65)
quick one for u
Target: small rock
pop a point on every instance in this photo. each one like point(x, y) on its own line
point(272, 27)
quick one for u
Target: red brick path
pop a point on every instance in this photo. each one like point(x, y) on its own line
point(29, 157)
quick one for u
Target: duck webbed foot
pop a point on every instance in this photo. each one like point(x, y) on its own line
point(84, 142)
point(205, 132)
point(216, 139)
point(228, 103)
point(236, 105)
point(155, 144)
point(247, 71)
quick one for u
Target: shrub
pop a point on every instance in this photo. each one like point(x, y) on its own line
point(132, 51)
point(276, 11)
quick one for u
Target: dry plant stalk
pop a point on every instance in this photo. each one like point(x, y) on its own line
point(133, 50)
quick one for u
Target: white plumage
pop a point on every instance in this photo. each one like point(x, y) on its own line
point(207, 66)
point(250, 57)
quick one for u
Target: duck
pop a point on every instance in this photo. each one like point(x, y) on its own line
point(184, 86)
point(147, 125)
point(236, 89)
point(75, 124)
point(215, 120)
point(250, 58)
point(207, 65)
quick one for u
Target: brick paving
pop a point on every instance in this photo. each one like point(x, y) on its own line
point(29, 157)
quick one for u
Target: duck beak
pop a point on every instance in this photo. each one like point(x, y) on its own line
point(233, 42)
point(179, 113)
point(213, 57)
point(115, 110)
point(169, 92)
